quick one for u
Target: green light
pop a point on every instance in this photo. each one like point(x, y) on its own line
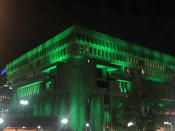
point(29, 89)
point(48, 69)
point(108, 68)
point(96, 117)
point(120, 86)
point(103, 69)
point(46, 111)
point(84, 42)
point(48, 85)
point(128, 86)
point(123, 81)
point(77, 112)
point(161, 105)
point(155, 79)
point(107, 117)
point(62, 108)
point(125, 87)
point(100, 66)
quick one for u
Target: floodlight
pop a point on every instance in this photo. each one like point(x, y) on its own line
point(64, 121)
point(87, 124)
point(24, 102)
point(1, 120)
point(130, 124)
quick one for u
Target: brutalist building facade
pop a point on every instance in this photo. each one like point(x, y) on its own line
point(78, 74)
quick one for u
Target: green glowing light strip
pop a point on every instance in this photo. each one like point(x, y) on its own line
point(100, 66)
point(120, 86)
point(106, 117)
point(109, 69)
point(124, 87)
point(48, 69)
point(29, 89)
point(123, 81)
point(48, 85)
point(155, 79)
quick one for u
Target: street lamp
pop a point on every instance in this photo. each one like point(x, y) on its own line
point(130, 124)
point(24, 102)
point(1, 120)
point(38, 128)
point(87, 124)
point(168, 123)
point(64, 121)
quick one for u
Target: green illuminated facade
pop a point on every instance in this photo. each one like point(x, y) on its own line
point(78, 73)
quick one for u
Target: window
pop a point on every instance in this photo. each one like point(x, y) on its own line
point(91, 50)
point(106, 99)
point(101, 84)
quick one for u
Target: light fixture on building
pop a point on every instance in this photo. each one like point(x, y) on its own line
point(1, 120)
point(87, 124)
point(64, 121)
point(24, 102)
point(166, 123)
point(130, 124)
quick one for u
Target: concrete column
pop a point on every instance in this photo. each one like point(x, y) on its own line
point(77, 76)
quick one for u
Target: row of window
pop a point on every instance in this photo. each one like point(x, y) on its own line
point(94, 41)
point(4, 97)
point(109, 55)
point(54, 54)
point(30, 89)
point(46, 51)
point(156, 66)
point(34, 74)
point(27, 68)
point(127, 50)
point(49, 59)
point(158, 74)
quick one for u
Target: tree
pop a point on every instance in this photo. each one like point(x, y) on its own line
point(140, 106)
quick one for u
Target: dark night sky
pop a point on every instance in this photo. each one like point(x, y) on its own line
point(25, 24)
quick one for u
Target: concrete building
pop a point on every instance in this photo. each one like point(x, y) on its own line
point(78, 73)
point(5, 93)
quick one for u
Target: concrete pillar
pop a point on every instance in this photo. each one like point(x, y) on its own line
point(77, 76)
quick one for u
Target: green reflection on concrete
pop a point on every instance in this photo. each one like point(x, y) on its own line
point(107, 117)
point(48, 85)
point(96, 117)
point(29, 89)
point(48, 69)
